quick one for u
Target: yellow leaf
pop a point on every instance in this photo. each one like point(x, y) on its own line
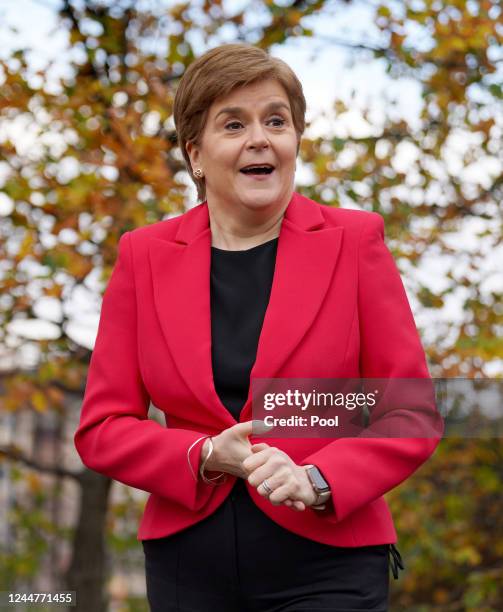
point(33, 482)
point(39, 401)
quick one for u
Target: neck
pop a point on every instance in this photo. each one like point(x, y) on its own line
point(232, 234)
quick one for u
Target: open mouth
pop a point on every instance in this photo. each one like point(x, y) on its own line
point(258, 170)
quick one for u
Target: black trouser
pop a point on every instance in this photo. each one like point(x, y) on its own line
point(239, 560)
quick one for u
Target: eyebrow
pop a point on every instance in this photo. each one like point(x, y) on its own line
point(237, 110)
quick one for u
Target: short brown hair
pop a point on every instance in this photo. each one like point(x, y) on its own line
point(218, 72)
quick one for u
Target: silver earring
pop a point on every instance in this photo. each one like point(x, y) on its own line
point(198, 173)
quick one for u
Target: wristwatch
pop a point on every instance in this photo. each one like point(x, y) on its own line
point(320, 486)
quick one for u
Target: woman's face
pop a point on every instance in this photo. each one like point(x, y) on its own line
point(252, 125)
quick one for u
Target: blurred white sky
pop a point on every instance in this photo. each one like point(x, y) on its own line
point(325, 73)
point(320, 66)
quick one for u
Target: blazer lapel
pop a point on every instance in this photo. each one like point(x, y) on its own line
point(305, 261)
point(181, 285)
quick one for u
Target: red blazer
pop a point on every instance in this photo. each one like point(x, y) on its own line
point(337, 309)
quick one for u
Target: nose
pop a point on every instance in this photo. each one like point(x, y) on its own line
point(258, 138)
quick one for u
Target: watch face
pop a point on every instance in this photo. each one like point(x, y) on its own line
point(319, 482)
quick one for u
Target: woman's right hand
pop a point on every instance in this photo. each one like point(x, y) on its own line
point(231, 447)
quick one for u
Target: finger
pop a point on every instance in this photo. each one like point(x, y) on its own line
point(264, 471)
point(258, 447)
point(243, 430)
point(299, 506)
point(262, 491)
point(246, 429)
point(280, 493)
point(257, 459)
point(260, 427)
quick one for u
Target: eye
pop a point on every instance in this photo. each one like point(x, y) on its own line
point(238, 123)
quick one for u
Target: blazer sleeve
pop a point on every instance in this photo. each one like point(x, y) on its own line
point(115, 437)
point(361, 469)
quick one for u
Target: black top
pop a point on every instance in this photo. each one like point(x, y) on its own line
point(240, 287)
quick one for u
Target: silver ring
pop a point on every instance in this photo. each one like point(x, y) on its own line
point(267, 488)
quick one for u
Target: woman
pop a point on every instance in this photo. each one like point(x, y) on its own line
point(257, 281)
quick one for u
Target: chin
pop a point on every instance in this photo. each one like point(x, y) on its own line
point(258, 203)
point(260, 197)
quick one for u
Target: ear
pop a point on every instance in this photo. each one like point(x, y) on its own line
point(193, 153)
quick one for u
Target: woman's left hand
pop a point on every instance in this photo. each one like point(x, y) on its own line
point(288, 480)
